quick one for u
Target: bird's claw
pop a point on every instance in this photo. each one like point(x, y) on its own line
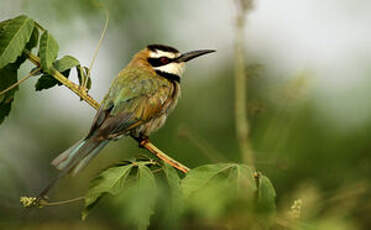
point(143, 141)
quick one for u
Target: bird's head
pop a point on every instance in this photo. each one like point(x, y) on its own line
point(166, 61)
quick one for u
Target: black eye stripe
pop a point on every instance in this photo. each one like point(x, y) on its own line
point(156, 62)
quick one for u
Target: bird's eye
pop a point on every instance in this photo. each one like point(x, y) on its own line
point(164, 60)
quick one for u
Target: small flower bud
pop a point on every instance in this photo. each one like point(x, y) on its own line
point(295, 209)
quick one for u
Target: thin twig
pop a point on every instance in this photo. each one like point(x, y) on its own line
point(57, 203)
point(158, 153)
point(242, 124)
point(20, 81)
point(32, 201)
point(98, 45)
point(82, 94)
point(62, 79)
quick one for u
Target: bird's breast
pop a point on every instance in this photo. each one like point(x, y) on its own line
point(168, 106)
point(173, 98)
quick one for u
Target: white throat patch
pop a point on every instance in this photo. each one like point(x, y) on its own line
point(173, 68)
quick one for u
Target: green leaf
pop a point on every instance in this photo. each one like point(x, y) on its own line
point(3, 23)
point(47, 81)
point(201, 176)
point(29, 46)
point(83, 75)
point(4, 110)
point(137, 200)
point(34, 40)
point(65, 63)
point(174, 202)
point(109, 181)
point(14, 35)
point(8, 76)
point(264, 207)
point(134, 188)
point(266, 196)
point(48, 51)
point(62, 65)
point(173, 181)
point(210, 189)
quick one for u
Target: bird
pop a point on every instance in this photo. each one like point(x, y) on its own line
point(138, 103)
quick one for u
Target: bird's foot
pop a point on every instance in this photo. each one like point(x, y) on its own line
point(143, 140)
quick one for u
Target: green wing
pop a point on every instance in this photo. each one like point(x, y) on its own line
point(136, 96)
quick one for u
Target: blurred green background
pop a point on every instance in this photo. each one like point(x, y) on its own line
point(308, 105)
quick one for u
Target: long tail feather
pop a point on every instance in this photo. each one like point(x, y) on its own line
point(62, 160)
point(75, 159)
point(84, 162)
point(79, 155)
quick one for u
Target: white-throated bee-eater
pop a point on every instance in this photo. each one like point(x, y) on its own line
point(140, 98)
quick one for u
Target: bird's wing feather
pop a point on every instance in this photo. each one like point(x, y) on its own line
point(136, 96)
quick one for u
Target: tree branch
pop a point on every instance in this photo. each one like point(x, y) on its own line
point(241, 122)
point(20, 81)
point(86, 97)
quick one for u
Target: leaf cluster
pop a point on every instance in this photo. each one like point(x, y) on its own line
point(207, 191)
point(18, 36)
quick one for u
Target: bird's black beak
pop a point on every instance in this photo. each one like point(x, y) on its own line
point(193, 54)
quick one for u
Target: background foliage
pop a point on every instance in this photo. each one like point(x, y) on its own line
point(299, 144)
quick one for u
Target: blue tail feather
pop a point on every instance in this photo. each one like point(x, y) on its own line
point(79, 155)
point(62, 160)
point(82, 164)
point(75, 159)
